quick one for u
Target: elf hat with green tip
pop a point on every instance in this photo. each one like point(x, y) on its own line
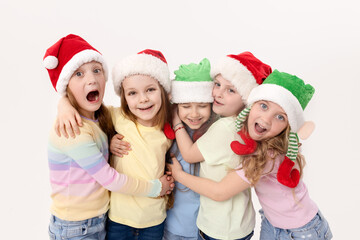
point(192, 83)
point(287, 90)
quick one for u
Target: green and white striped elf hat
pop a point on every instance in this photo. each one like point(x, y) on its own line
point(292, 94)
point(192, 83)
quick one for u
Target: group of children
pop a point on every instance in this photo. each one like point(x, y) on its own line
point(228, 127)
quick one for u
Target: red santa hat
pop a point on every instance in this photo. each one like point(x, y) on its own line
point(148, 62)
point(64, 57)
point(244, 71)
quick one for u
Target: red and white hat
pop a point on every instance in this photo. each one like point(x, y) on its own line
point(148, 62)
point(244, 71)
point(64, 57)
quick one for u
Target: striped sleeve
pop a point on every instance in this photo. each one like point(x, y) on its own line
point(86, 156)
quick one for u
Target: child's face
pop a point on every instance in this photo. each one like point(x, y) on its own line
point(266, 120)
point(143, 97)
point(227, 100)
point(194, 114)
point(87, 84)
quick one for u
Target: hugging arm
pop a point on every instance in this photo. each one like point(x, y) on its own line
point(228, 187)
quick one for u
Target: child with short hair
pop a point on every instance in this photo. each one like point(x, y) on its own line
point(191, 90)
point(143, 83)
point(269, 146)
point(234, 77)
point(80, 175)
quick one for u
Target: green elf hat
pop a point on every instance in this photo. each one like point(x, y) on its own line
point(293, 95)
point(289, 91)
point(192, 83)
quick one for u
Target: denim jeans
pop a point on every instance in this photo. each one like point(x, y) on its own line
point(117, 231)
point(89, 229)
point(203, 236)
point(170, 236)
point(317, 228)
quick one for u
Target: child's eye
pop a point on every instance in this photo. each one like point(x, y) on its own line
point(97, 70)
point(280, 117)
point(231, 90)
point(151, 89)
point(263, 106)
point(203, 106)
point(185, 106)
point(78, 74)
point(217, 84)
point(131, 93)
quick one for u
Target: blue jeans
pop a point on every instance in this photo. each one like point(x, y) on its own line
point(117, 231)
point(89, 229)
point(317, 228)
point(170, 236)
point(203, 236)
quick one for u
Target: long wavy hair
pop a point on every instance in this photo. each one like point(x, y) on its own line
point(254, 164)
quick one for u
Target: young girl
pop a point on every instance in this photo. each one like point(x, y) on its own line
point(234, 77)
point(270, 148)
point(142, 82)
point(191, 91)
point(80, 175)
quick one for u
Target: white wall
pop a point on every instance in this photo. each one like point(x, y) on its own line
point(316, 40)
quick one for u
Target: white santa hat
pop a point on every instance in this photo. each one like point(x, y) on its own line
point(148, 62)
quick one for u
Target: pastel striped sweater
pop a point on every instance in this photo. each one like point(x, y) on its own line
point(80, 175)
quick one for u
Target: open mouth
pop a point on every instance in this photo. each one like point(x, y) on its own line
point(93, 96)
point(259, 128)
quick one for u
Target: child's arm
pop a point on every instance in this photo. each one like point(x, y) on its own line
point(228, 187)
point(68, 119)
point(88, 157)
point(119, 147)
point(188, 149)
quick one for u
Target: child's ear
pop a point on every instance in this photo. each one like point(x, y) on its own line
point(306, 130)
point(169, 96)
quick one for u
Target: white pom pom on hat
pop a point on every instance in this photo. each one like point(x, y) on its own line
point(50, 62)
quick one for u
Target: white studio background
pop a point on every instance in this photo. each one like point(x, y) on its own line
point(317, 40)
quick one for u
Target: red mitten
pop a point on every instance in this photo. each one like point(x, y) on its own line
point(288, 176)
point(244, 149)
point(169, 132)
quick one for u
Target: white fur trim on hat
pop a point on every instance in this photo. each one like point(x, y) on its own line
point(74, 63)
point(283, 97)
point(187, 92)
point(144, 64)
point(235, 72)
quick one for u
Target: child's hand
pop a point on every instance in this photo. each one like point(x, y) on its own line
point(68, 119)
point(176, 119)
point(167, 184)
point(119, 147)
point(175, 167)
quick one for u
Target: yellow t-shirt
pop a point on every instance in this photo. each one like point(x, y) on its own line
point(235, 217)
point(145, 161)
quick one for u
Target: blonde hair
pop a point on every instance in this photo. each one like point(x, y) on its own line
point(163, 116)
point(254, 164)
point(102, 114)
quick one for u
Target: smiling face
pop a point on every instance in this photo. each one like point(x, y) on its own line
point(194, 114)
point(87, 85)
point(227, 100)
point(266, 120)
point(143, 97)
